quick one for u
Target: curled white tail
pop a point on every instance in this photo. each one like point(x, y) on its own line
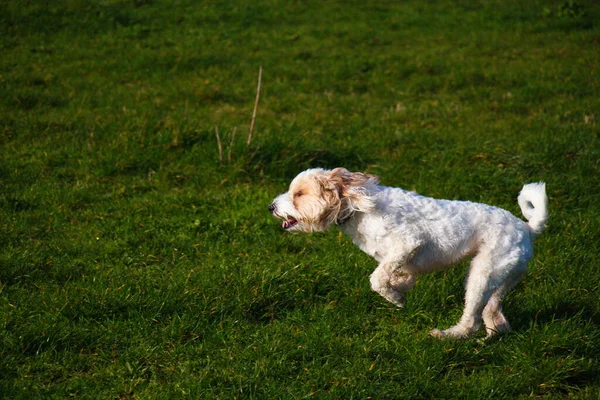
point(534, 205)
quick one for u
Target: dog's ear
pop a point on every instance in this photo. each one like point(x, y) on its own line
point(351, 189)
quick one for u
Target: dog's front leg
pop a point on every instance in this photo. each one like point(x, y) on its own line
point(391, 282)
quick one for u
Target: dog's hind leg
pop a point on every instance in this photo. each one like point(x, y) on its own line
point(487, 283)
point(495, 322)
point(479, 289)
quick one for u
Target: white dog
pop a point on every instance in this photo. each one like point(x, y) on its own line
point(410, 234)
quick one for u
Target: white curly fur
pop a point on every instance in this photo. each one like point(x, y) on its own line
point(409, 234)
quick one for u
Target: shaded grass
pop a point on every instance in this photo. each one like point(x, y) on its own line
point(134, 264)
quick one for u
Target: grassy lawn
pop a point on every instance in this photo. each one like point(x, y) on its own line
point(135, 263)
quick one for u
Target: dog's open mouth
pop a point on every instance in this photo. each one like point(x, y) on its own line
point(289, 223)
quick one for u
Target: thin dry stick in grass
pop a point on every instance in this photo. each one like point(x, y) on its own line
point(231, 145)
point(250, 133)
point(219, 144)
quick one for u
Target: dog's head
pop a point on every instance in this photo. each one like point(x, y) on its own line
point(318, 199)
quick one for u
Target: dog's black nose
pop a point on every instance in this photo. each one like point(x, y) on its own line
point(271, 207)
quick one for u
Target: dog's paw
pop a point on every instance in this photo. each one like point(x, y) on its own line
point(453, 333)
point(436, 333)
point(398, 300)
point(448, 334)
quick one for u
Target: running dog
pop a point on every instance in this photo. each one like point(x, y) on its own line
point(409, 234)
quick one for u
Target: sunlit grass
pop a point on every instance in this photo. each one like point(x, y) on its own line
point(135, 263)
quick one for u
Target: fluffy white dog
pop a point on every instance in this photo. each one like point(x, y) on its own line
point(409, 234)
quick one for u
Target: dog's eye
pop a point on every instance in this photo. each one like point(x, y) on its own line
point(298, 194)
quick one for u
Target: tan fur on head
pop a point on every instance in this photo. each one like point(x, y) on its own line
point(346, 192)
point(319, 198)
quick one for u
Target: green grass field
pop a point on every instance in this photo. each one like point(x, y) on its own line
point(134, 263)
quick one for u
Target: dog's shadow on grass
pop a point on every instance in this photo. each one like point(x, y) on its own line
point(563, 329)
point(558, 311)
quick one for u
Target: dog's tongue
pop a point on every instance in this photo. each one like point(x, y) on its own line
point(289, 223)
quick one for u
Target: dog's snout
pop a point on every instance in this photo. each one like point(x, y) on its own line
point(272, 207)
